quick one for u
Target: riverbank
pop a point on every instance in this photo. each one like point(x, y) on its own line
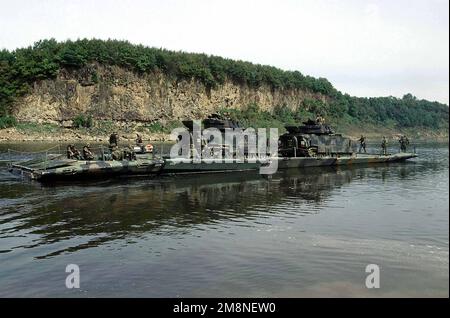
point(53, 133)
point(375, 133)
point(47, 133)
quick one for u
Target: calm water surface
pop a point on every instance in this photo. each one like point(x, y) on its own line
point(301, 233)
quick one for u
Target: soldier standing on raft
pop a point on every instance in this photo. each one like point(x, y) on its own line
point(404, 142)
point(113, 139)
point(384, 146)
point(362, 144)
point(140, 142)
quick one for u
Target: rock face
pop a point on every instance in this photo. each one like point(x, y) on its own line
point(114, 93)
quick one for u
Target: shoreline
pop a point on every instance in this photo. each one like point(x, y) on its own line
point(14, 135)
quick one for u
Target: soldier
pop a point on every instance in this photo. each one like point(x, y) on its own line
point(113, 139)
point(116, 154)
point(404, 141)
point(70, 154)
point(87, 153)
point(362, 144)
point(76, 152)
point(384, 146)
point(73, 153)
point(139, 141)
point(319, 120)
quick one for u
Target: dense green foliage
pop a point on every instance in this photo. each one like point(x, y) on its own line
point(403, 112)
point(82, 121)
point(386, 111)
point(7, 121)
point(22, 67)
point(253, 116)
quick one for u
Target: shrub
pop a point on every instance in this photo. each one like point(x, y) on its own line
point(7, 121)
point(155, 127)
point(82, 121)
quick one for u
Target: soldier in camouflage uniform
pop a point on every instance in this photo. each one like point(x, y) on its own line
point(384, 146)
point(362, 144)
point(404, 142)
point(116, 154)
point(87, 153)
point(73, 153)
point(113, 139)
point(70, 154)
point(140, 142)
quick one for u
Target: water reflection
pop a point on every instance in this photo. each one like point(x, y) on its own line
point(234, 234)
point(113, 210)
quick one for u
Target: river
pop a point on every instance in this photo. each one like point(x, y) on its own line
point(300, 233)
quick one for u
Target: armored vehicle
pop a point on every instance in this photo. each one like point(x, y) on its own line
point(315, 144)
point(226, 156)
point(214, 121)
point(314, 140)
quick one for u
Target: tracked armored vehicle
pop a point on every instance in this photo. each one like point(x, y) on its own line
point(208, 165)
point(315, 144)
point(314, 140)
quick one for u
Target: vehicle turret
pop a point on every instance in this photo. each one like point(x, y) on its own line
point(214, 121)
point(313, 139)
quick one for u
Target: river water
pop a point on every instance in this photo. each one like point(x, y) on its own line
point(301, 233)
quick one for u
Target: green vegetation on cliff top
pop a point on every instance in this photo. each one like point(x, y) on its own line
point(20, 68)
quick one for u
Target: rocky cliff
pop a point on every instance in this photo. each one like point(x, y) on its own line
point(115, 93)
